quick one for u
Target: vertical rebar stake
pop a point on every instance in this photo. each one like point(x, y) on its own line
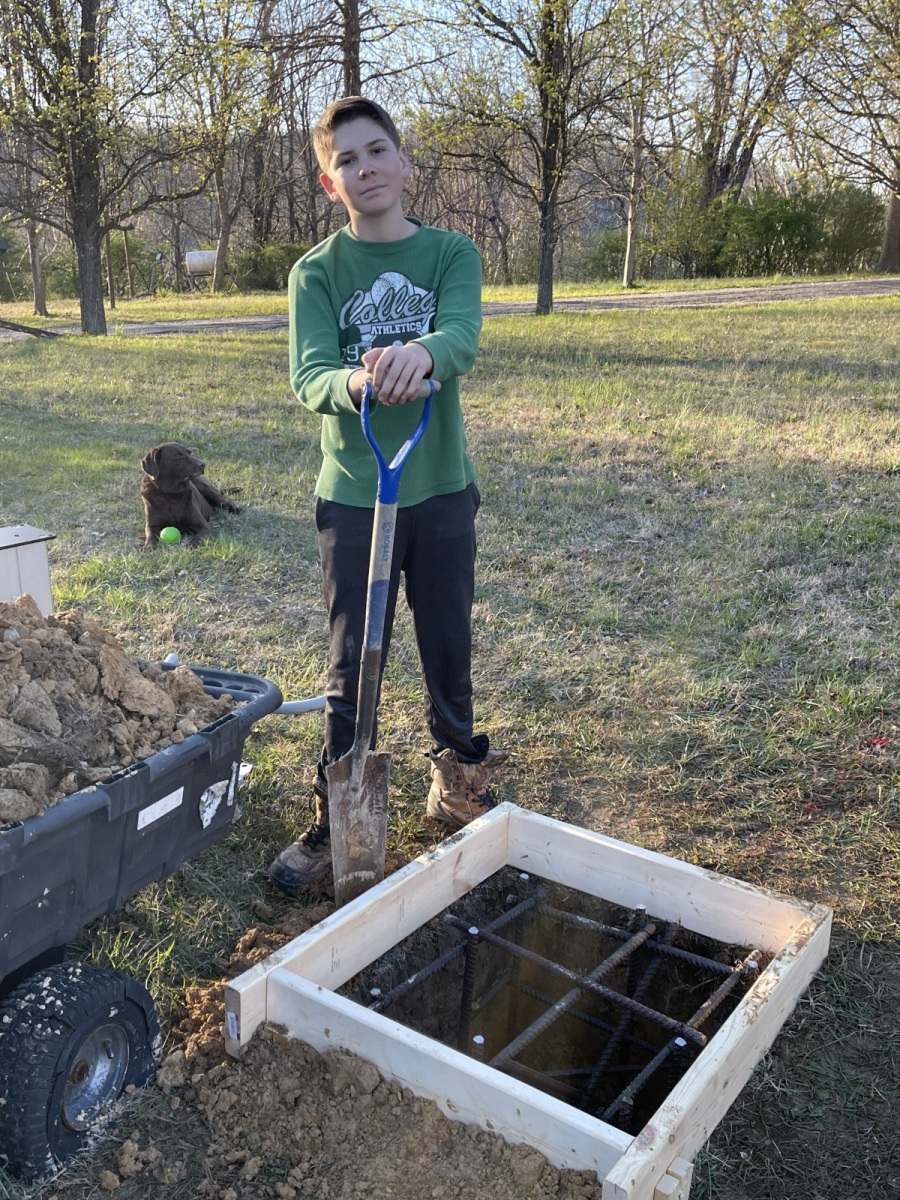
point(523, 883)
point(637, 922)
point(473, 940)
point(477, 1048)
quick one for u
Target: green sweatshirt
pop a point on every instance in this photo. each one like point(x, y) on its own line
point(346, 296)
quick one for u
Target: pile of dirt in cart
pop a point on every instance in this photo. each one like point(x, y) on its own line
point(74, 708)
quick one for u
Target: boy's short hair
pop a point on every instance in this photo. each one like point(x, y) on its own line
point(341, 112)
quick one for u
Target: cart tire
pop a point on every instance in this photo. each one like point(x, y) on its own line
point(72, 1039)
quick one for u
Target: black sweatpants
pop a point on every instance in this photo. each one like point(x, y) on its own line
point(434, 548)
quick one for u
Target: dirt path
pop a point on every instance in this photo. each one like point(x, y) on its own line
point(712, 298)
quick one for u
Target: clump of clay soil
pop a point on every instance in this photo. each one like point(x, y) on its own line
point(74, 708)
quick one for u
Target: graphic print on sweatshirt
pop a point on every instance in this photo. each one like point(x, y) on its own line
point(393, 311)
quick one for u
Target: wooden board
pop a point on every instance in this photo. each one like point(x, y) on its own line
point(347, 941)
point(713, 905)
point(700, 1100)
point(295, 987)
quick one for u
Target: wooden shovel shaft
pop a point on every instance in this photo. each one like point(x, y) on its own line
point(376, 613)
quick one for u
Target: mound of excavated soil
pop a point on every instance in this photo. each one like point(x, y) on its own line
point(288, 1123)
point(74, 708)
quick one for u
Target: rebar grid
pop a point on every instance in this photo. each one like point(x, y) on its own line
point(579, 1085)
point(589, 982)
point(637, 988)
point(687, 956)
point(415, 980)
point(536, 1028)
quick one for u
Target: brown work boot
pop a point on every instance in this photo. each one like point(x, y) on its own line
point(305, 861)
point(460, 791)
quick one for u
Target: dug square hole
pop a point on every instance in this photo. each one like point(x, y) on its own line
point(711, 968)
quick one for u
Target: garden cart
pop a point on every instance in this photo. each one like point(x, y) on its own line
point(75, 1036)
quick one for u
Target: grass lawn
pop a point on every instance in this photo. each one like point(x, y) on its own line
point(686, 626)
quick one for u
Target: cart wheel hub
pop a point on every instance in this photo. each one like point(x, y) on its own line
point(80, 1071)
point(95, 1077)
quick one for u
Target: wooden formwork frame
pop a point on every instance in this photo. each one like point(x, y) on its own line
point(295, 988)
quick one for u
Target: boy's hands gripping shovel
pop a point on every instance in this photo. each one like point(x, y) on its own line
point(358, 782)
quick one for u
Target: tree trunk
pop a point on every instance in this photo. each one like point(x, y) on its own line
point(225, 224)
point(350, 47)
point(630, 246)
point(259, 208)
point(889, 258)
point(501, 231)
point(110, 276)
point(90, 280)
point(546, 248)
point(38, 283)
point(632, 199)
point(85, 177)
point(550, 63)
point(88, 239)
point(129, 266)
point(177, 254)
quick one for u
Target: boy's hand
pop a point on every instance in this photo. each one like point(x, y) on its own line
point(398, 373)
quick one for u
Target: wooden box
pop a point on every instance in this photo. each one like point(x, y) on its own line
point(295, 988)
point(23, 565)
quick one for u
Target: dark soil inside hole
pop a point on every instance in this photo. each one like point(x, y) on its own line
point(596, 1047)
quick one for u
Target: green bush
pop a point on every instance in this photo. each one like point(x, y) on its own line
point(771, 234)
point(852, 224)
point(143, 263)
point(266, 267)
point(766, 232)
point(606, 257)
point(61, 272)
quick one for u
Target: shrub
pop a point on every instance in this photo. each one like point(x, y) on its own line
point(61, 271)
point(606, 257)
point(771, 234)
point(265, 267)
point(852, 223)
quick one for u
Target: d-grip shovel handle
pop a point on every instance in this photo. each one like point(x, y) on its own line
point(383, 530)
point(389, 475)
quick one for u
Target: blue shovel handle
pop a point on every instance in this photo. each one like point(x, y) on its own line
point(383, 530)
point(389, 474)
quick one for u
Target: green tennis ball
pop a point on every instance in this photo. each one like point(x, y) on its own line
point(170, 535)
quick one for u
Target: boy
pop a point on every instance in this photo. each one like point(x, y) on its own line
point(394, 303)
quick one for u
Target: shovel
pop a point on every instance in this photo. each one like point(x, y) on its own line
point(358, 781)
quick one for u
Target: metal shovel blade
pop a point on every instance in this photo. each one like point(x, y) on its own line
point(357, 807)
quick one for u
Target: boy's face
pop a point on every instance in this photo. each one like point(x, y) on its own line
point(365, 171)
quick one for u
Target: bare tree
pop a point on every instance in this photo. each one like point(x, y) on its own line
point(78, 79)
point(220, 45)
point(651, 56)
point(521, 100)
point(300, 44)
point(470, 198)
point(853, 103)
point(747, 54)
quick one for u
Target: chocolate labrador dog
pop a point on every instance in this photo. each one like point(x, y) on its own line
point(175, 493)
